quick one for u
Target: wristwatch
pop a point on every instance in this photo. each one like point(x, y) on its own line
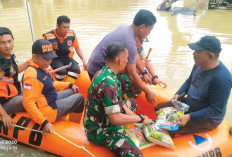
point(156, 76)
point(153, 77)
point(142, 118)
point(145, 72)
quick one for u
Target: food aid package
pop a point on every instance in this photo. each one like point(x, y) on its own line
point(167, 118)
point(136, 135)
point(157, 136)
point(180, 105)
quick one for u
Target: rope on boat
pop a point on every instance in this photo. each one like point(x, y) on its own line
point(83, 147)
point(29, 129)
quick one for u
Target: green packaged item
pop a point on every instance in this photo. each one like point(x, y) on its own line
point(136, 135)
point(157, 136)
point(167, 118)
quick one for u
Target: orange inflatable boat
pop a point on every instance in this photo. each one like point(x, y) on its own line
point(216, 143)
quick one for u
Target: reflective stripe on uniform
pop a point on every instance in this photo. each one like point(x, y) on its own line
point(7, 80)
point(60, 77)
point(72, 74)
point(52, 37)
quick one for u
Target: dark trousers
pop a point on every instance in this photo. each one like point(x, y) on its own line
point(62, 61)
point(192, 126)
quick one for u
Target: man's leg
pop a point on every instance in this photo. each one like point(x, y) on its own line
point(132, 91)
point(73, 71)
point(73, 103)
point(14, 105)
point(195, 127)
point(163, 105)
point(121, 145)
point(64, 94)
point(57, 63)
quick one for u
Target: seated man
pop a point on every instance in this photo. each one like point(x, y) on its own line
point(6, 119)
point(40, 98)
point(106, 112)
point(10, 88)
point(141, 27)
point(64, 41)
point(208, 89)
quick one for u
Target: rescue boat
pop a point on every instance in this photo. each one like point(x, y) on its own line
point(216, 143)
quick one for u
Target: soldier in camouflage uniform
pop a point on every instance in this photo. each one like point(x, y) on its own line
point(106, 112)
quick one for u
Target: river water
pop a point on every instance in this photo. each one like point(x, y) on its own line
point(93, 19)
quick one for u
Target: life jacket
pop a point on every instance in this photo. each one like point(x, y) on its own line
point(10, 85)
point(64, 49)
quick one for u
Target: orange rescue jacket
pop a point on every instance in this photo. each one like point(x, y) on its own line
point(39, 94)
point(10, 86)
point(63, 47)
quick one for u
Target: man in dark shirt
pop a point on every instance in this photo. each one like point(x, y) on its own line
point(11, 98)
point(208, 89)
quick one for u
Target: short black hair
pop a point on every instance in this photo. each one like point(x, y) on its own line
point(4, 64)
point(144, 17)
point(4, 30)
point(62, 18)
point(114, 49)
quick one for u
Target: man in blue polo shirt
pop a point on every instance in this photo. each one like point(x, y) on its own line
point(207, 88)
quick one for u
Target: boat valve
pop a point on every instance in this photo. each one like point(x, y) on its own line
point(230, 130)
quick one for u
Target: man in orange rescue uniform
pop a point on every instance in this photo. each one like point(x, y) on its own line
point(64, 41)
point(40, 97)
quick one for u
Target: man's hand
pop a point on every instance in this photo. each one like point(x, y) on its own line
point(7, 120)
point(147, 79)
point(147, 120)
point(150, 96)
point(145, 61)
point(161, 83)
point(176, 96)
point(183, 119)
point(75, 89)
point(48, 128)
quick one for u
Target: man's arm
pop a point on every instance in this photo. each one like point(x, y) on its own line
point(80, 54)
point(219, 93)
point(186, 85)
point(31, 93)
point(151, 71)
point(22, 67)
point(141, 68)
point(7, 120)
point(131, 72)
point(128, 118)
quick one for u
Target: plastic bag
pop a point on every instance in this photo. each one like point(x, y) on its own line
point(181, 105)
point(136, 135)
point(167, 118)
point(157, 136)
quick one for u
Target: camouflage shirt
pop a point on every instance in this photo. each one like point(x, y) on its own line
point(104, 97)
